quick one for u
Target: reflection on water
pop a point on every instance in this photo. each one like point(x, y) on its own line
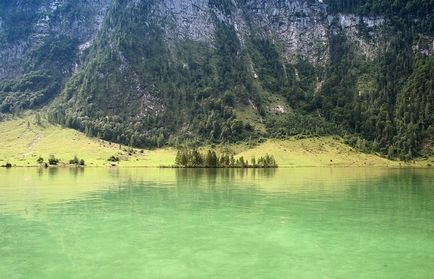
point(21, 188)
point(200, 223)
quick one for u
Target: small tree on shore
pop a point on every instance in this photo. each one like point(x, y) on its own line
point(74, 161)
point(53, 161)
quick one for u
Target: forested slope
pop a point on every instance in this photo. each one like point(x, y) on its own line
point(153, 73)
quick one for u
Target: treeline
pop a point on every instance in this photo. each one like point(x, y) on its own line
point(383, 7)
point(194, 159)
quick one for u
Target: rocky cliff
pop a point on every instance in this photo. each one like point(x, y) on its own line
point(162, 71)
point(26, 26)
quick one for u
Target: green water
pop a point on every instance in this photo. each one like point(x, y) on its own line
point(163, 223)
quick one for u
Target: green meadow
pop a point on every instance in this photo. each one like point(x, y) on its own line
point(25, 139)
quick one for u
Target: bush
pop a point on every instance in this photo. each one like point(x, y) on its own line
point(40, 160)
point(7, 165)
point(113, 159)
point(74, 161)
point(52, 161)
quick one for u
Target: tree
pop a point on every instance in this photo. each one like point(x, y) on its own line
point(241, 162)
point(208, 159)
point(390, 153)
point(53, 161)
point(113, 159)
point(74, 161)
point(178, 158)
point(214, 159)
point(197, 159)
point(40, 160)
point(232, 161)
point(160, 140)
point(253, 162)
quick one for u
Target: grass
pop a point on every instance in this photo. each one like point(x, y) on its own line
point(23, 140)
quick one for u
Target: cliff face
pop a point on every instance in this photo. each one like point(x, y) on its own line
point(158, 71)
point(26, 26)
point(300, 28)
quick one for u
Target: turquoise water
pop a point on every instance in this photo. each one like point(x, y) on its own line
point(164, 223)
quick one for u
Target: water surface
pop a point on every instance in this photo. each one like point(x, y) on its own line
point(164, 223)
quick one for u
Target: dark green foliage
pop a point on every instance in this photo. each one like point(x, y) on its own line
point(47, 69)
point(268, 64)
point(282, 126)
point(197, 91)
point(415, 110)
point(396, 11)
point(40, 160)
point(194, 159)
point(29, 91)
point(55, 56)
point(138, 88)
point(7, 165)
point(113, 159)
point(385, 120)
point(53, 161)
point(76, 161)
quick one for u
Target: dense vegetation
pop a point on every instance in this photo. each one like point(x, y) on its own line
point(194, 159)
point(167, 101)
point(388, 101)
point(136, 89)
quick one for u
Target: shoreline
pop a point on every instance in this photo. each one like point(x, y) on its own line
point(222, 168)
point(22, 148)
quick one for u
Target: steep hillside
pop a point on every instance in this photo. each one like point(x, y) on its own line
point(157, 72)
point(41, 45)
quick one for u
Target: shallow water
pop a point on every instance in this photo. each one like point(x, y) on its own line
point(164, 223)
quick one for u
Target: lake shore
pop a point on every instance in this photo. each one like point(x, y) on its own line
point(23, 142)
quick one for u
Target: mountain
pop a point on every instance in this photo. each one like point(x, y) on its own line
point(151, 73)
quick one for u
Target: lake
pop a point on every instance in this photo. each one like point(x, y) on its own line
point(194, 223)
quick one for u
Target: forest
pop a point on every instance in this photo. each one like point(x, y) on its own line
point(142, 92)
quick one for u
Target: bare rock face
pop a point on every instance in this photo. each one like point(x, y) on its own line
point(190, 20)
point(26, 26)
point(301, 27)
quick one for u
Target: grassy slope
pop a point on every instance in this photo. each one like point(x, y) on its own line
point(23, 141)
point(22, 145)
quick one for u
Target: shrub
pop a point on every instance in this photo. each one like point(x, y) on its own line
point(53, 161)
point(113, 159)
point(40, 160)
point(74, 161)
